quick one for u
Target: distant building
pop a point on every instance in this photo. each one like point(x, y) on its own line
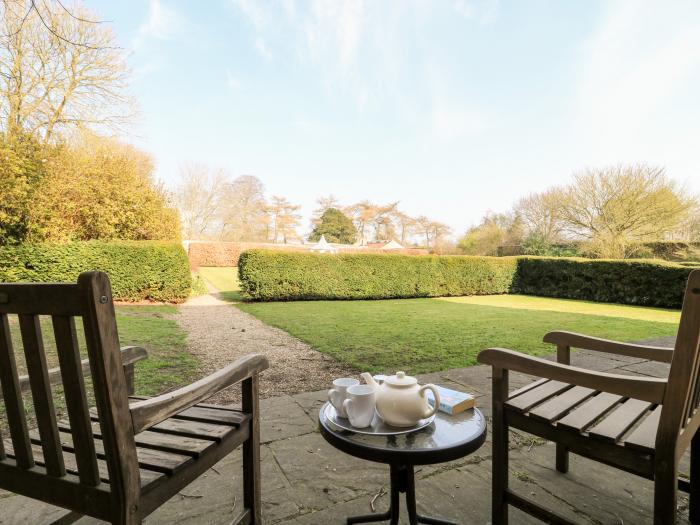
point(384, 245)
point(322, 246)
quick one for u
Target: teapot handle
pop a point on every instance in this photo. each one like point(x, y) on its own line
point(436, 394)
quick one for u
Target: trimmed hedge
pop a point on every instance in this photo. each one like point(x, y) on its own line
point(138, 270)
point(277, 276)
point(628, 281)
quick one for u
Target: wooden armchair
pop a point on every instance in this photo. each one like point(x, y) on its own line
point(122, 461)
point(638, 424)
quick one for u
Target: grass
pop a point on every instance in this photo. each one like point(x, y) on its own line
point(224, 279)
point(427, 335)
point(199, 286)
point(153, 327)
point(529, 302)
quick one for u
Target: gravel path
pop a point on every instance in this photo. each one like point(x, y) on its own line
point(219, 333)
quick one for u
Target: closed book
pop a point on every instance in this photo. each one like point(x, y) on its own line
point(451, 401)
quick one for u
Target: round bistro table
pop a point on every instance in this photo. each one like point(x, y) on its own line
point(446, 439)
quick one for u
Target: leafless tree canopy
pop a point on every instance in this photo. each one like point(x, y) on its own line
point(60, 69)
point(609, 211)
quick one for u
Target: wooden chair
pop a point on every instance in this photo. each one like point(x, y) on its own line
point(123, 461)
point(638, 424)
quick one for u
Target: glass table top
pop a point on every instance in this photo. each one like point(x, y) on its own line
point(445, 432)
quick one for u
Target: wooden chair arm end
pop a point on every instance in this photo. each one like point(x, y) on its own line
point(133, 354)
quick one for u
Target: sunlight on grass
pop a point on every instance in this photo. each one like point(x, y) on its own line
point(224, 279)
point(528, 302)
point(427, 335)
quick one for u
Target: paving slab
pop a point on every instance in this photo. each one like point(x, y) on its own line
point(648, 368)
point(321, 476)
point(282, 418)
point(305, 481)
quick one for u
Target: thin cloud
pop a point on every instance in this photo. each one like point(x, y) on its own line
point(262, 48)
point(161, 23)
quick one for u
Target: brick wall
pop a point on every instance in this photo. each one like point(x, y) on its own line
point(227, 253)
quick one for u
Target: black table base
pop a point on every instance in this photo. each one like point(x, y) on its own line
point(402, 480)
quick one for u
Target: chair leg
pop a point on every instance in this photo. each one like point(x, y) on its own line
point(563, 357)
point(251, 452)
point(562, 458)
point(665, 486)
point(499, 506)
point(694, 510)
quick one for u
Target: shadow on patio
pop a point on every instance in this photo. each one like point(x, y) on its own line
point(306, 481)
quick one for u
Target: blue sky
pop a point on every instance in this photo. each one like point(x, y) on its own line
point(452, 107)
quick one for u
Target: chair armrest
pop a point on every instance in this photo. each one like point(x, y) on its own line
point(645, 389)
point(130, 356)
point(654, 353)
point(149, 412)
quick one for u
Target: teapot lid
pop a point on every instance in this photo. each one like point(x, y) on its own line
point(400, 379)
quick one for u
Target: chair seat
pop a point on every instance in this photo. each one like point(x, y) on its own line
point(166, 450)
point(610, 418)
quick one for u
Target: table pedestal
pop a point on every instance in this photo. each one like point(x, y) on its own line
point(402, 480)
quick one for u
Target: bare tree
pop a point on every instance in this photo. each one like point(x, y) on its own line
point(60, 69)
point(541, 214)
point(285, 219)
point(439, 231)
point(406, 226)
point(495, 229)
point(324, 203)
point(244, 210)
point(423, 227)
point(616, 207)
point(362, 214)
point(199, 199)
point(383, 222)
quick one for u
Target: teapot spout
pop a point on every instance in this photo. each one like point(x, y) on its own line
point(369, 379)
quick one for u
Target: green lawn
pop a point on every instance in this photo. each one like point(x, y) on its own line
point(426, 335)
point(224, 279)
point(153, 327)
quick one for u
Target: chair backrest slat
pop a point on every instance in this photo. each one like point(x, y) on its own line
point(102, 340)
point(44, 299)
point(12, 396)
point(76, 399)
point(682, 390)
point(38, 371)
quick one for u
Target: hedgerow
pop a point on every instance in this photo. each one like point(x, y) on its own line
point(637, 282)
point(276, 276)
point(138, 270)
point(280, 276)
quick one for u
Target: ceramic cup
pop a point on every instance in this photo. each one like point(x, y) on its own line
point(359, 405)
point(337, 394)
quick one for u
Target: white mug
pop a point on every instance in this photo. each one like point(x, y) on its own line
point(359, 405)
point(338, 392)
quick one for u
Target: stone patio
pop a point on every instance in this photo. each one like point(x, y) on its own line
point(305, 481)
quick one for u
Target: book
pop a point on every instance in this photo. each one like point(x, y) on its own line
point(451, 401)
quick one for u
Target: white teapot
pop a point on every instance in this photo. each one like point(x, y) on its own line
point(401, 400)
